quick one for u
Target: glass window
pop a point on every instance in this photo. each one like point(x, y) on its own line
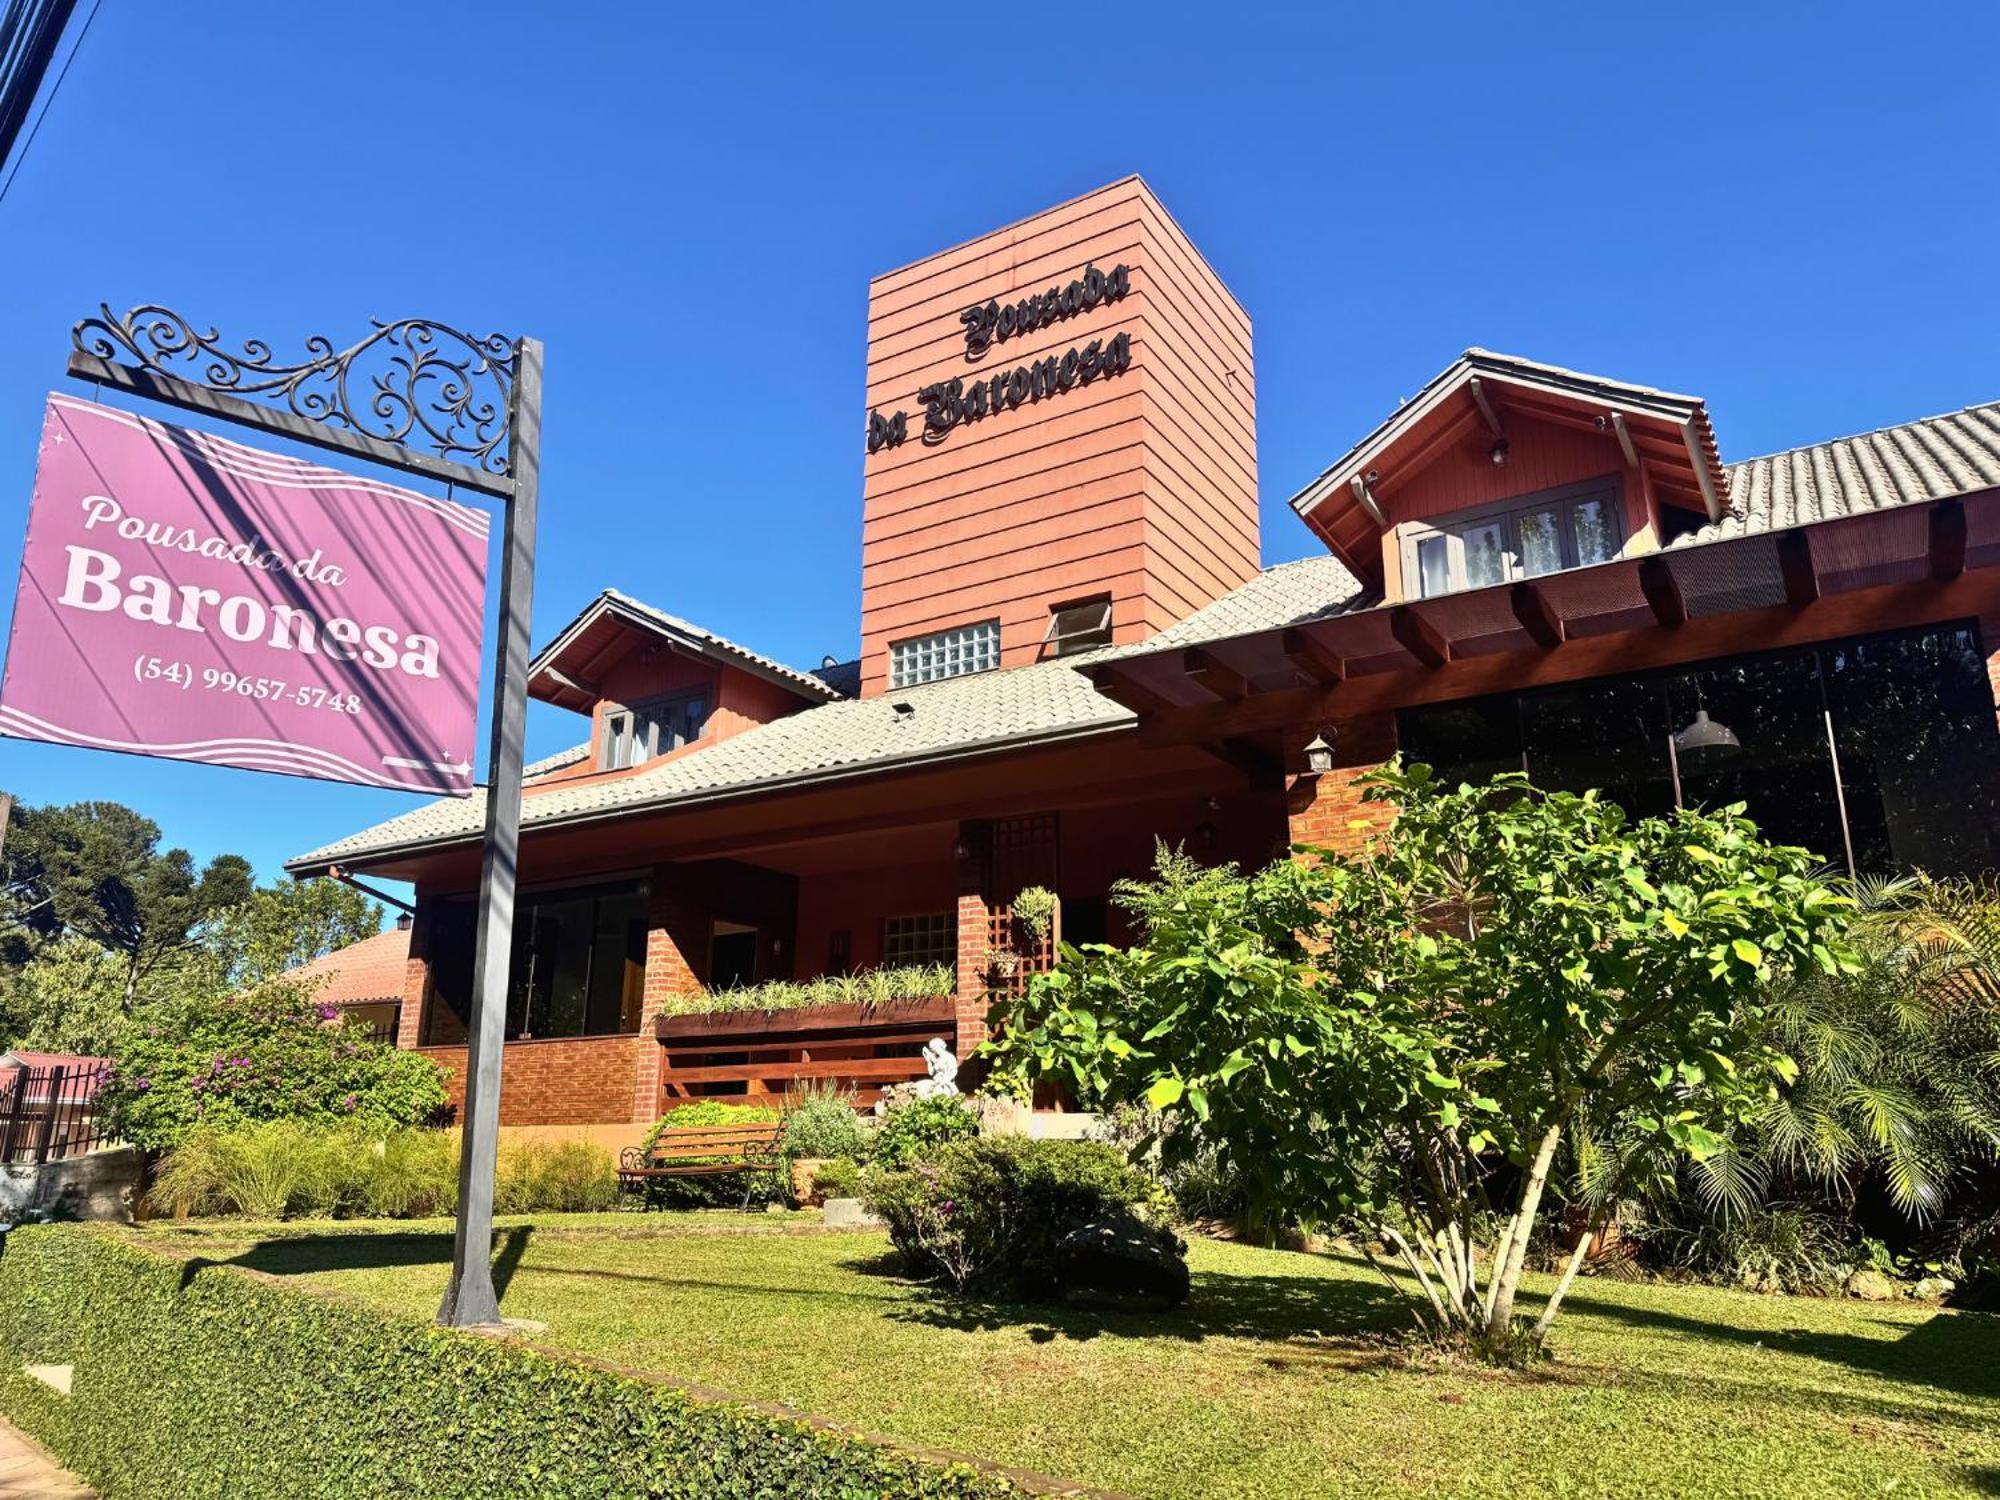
point(1913, 722)
point(1596, 538)
point(578, 967)
point(1879, 751)
point(1541, 542)
point(1080, 626)
point(1434, 565)
point(633, 736)
point(1525, 540)
point(948, 653)
point(1486, 555)
point(931, 938)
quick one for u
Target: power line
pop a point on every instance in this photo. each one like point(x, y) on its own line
point(24, 78)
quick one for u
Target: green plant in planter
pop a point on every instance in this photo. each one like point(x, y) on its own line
point(1035, 910)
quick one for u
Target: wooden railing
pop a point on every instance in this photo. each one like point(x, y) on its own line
point(725, 1054)
point(49, 1113)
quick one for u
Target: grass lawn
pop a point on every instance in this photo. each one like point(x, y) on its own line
point(1273, 1380)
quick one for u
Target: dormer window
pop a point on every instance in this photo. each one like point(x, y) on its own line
point(1525, 538)
point(632, 736)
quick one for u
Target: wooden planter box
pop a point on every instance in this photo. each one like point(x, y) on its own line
point(738, 1053)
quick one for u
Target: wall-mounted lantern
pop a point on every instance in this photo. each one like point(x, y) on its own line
point(1319, 756)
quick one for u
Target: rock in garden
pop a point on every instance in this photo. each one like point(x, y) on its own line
point(1872, 1286)
point(1123, 1256)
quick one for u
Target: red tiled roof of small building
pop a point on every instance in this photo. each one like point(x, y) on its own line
point(372, 969)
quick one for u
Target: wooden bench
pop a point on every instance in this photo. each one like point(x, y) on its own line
point(705, 1151)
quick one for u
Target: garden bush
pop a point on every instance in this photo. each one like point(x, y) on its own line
point(869, 987)
point(272, 1054)
point(918, 1125)
point(285, 1169)
point(821, 1122)
point(839, 1178)
point(987, 1214)
point(206, 1383)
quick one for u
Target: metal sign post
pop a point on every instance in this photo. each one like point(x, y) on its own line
point(475, 403)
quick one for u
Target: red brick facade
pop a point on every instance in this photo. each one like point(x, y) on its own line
point(560, 1081)
point(1326, 810)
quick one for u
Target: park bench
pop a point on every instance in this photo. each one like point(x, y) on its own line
point(705, 1151)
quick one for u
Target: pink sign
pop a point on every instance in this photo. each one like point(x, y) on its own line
point(189, 597)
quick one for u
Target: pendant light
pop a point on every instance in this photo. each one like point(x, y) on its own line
point(1703, 738)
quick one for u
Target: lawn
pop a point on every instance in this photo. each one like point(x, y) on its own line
point(1273, 1381)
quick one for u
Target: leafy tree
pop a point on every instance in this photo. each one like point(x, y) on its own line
point(95, 870)
point(1400, 1039)
point(291, 922)
point(68, 998)
point(270, 1054)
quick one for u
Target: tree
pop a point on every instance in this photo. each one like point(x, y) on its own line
point(95, 869)
point(1399, 1040)
point(287, 924)
point(68, 998)
point(269, 1054)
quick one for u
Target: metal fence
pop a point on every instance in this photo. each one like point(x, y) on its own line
point(49, 1113)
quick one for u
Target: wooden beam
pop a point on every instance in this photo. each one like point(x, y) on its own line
point(1531, 608)
point(1691, 436)
point(1112, 682)
point(1313, 660)
point(1214, 676)
point(1947, 540)
point(1624, 434)
point(1418, 636)
point(1485, 404)
point(1365, 494)
point(1259, 766)
point(574, 684)
point(1795, 565)
point(1663, 593)
point(1886, 607)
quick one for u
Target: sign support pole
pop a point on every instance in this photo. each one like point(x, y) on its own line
point(470, 1299)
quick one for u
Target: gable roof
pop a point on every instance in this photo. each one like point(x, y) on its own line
point(559, 673)
point(1667, 432)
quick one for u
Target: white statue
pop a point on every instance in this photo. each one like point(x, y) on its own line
point(943, 1068)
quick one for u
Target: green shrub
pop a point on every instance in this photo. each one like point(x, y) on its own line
point(869, 987)
point(920, 1125)
point(555, 1177)
point(282, 1169)
point(987, 1213)
point(272, 1054)
point(205, 1383)
point(821, 1122)
point(839, 1178)
point(1778, 1247)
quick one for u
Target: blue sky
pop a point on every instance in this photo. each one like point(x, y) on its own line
point(1788, 210)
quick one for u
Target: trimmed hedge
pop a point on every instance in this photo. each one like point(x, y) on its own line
point(198, 1380)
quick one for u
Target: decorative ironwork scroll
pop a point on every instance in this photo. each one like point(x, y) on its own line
point(412, 382)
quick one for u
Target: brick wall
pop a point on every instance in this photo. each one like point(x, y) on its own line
point(676, 942)
point(972, 1002)
point(1327, 810)
point(579, 1081)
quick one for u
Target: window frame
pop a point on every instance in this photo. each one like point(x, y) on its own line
point(918, 927)
point(1086, 638)
point(622, 723)
point(909, 668)
point(1507, 514)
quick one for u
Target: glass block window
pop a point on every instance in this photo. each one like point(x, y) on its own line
point(927, 939)
point(948, 653)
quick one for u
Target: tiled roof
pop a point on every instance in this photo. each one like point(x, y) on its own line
point(372, 969)
point(961, 716)
point(805, 684)
point(1951, 454)
point(1918, 461)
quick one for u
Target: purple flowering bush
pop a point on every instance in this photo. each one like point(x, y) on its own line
point(271, 1054)
point(986, 1213)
